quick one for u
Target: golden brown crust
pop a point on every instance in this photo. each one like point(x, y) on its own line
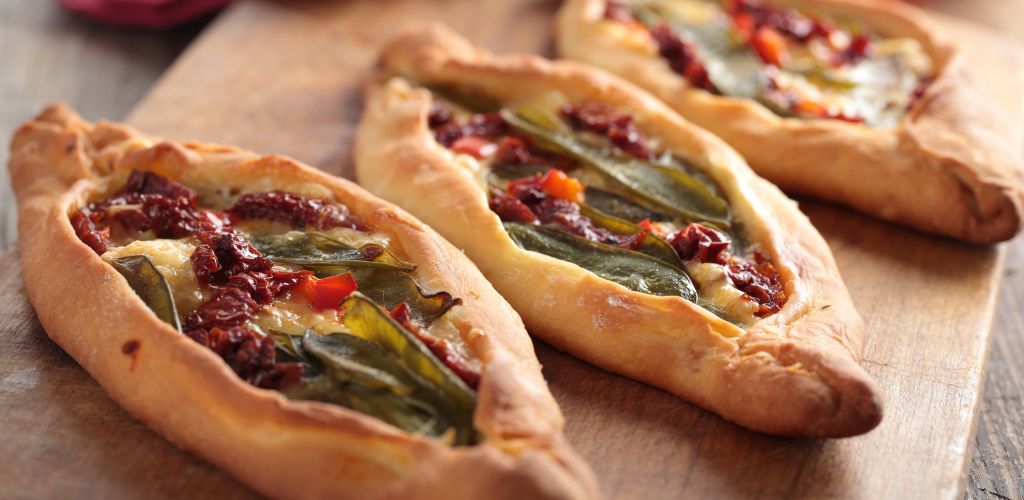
point(951, 167)
point(792, 374)
point(279, 447)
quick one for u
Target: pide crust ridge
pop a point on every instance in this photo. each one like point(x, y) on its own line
point(281, 448)
point(793, 373)
point(952, 167)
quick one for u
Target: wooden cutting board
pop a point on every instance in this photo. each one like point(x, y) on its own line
point(280, 78)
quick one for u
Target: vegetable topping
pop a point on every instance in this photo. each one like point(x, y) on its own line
point(795, 63)
point(245, 269)
point(585, 186)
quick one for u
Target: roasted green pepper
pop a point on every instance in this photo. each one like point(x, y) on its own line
point(151, 286)
point(662, 187)
point(364, 375)
point(633, 270)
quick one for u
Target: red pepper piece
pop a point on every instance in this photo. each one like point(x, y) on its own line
point(327, 293)
point(559, 185)
point(770, 46)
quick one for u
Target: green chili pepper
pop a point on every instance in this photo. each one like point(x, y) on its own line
point(621, 206)
point(633, 270)
point(380, 274)
point(312, 249)
point(662, 187)
point(151, 286)
point(651, 245)
point(363, 375)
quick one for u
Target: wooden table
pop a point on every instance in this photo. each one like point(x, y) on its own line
point(50, 55)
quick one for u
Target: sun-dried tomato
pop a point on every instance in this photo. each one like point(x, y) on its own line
point(760, 282)
point(132, 218)
point(619, 128)
point(151, 202)
point(260, 286)
point(228, 259)
point(85, 228)
point(440, 114)
point(512, 151)
point(567, 214)
point(223, 254)
point(263, 287)
point(682, 57)
point(700, 243)
point(297, 211)
point(149, 183)
point(509, 208)
point(229, 306)
point(174, 217)
point(236, 255)
point(251, 355)
point(489, 126)
point(527, 190)
point(440, 347)
point(204, 263)
point(486, 125)
point(244, 280)
point(516, 150)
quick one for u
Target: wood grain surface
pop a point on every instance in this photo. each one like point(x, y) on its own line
point(926, 348)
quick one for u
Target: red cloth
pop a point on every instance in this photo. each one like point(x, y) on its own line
point(157, 14)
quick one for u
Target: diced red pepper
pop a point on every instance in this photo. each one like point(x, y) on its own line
point(770, 46)
point(744, 25)
point(559, 185)
point(653, 229)
point(811, 108)
point(327, 293)
point(474, 146)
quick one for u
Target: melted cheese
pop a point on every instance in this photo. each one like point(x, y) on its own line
point(345, 235)
point(171, 258)
point(716, 288)
point(294, 316)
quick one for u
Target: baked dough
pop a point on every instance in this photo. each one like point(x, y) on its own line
point(280, 447)
point(793, 373)
point(950, 167)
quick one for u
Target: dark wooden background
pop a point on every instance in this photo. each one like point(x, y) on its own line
point(47, 54)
